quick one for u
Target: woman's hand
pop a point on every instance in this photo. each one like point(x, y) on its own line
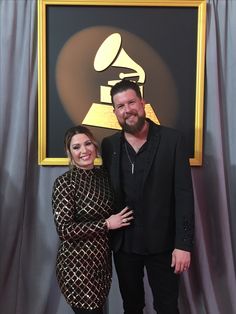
point(120, 220)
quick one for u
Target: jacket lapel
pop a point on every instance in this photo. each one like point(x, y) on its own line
point(116, 151)
point(153, 146)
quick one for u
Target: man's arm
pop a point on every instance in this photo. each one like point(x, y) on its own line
point(184, 210)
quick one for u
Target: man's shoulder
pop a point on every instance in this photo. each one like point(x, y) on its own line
point(165, 130)
point(112, 138)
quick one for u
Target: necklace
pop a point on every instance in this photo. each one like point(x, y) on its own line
point(131, 162)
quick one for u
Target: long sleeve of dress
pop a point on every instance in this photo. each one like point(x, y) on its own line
point(65, 209)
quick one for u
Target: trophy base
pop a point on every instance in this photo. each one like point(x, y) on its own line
point(101, 115)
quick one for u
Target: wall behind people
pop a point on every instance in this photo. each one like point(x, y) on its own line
point(28, 239)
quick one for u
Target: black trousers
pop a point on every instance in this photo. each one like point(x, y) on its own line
point(82, 311)
point(163, 281)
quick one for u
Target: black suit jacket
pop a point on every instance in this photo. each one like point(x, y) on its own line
point(167, 194)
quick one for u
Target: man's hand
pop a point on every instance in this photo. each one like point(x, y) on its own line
point(180, 260)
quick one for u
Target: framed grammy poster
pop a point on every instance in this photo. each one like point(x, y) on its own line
point(85, 47)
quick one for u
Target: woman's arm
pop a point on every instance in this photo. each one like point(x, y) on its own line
point(64, 207)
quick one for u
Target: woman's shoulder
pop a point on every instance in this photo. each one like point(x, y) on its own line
point(66, 177)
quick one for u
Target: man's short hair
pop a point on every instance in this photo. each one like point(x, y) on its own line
point(123, 86)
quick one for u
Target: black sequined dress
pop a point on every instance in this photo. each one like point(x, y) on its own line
point(82, 200)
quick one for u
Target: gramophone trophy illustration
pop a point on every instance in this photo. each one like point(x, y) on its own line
point(111, 54)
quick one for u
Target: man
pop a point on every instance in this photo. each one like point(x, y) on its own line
point(149, 171)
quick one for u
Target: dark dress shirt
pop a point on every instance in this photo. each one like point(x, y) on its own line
point(133, 240)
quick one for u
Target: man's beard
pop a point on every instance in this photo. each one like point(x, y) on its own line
point(132, 129)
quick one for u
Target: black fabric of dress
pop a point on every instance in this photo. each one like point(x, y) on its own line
point(82, 200)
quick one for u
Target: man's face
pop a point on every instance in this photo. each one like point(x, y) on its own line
point(129, 111)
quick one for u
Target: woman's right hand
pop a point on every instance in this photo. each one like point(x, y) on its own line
point(120, 220)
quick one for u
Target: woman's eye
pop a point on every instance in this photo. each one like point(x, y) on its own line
point(88, 143)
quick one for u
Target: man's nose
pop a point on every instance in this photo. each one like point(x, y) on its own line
point(127, 107)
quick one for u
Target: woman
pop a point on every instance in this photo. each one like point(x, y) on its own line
point(82, 205)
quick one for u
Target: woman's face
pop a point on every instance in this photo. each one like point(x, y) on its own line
point(82, 151)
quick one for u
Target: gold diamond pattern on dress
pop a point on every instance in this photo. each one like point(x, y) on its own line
point(82, 200)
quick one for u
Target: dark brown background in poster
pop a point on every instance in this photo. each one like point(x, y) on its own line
point(170, 31)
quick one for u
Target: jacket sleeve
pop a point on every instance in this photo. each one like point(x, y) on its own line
point(63, 204)
point(184, 202)
point(106, 154)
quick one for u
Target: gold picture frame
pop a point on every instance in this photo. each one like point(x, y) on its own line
point(157, 26)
